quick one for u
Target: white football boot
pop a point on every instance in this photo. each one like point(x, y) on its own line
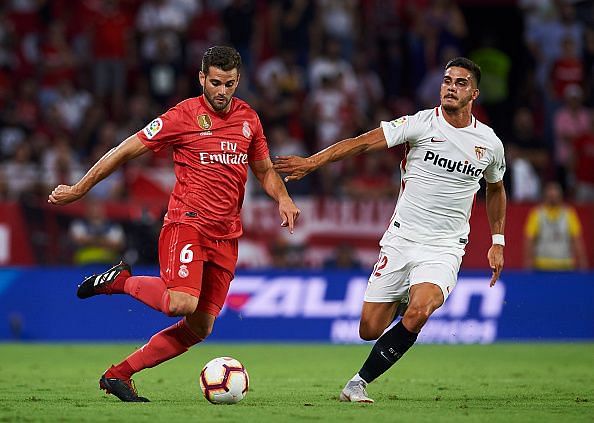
point(354, 391)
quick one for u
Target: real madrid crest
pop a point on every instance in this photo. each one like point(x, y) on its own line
point(204, 121)
point(247, 132)
point(183, 271)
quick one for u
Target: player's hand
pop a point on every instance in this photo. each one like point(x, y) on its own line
point(64, 194)
point(495, 257)
point(294, 167)
point(289, 213)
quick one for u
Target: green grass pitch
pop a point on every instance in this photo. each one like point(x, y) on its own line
point(297, 382)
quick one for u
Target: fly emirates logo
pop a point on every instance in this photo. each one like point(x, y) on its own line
point(451, 165)
point(228, 155)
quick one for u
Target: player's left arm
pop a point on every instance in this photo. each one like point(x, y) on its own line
point(275, 188)
point(496, 203)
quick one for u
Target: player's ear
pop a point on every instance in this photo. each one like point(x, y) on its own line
point(238, 78)
point(201, 78)
point(475, 94)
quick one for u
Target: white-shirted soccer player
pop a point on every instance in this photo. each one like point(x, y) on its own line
point(447, 152)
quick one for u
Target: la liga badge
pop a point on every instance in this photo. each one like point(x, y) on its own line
point(397, 122)
point(153, 128)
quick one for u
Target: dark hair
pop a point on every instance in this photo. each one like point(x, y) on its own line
point(222, 57)
point(463, 62)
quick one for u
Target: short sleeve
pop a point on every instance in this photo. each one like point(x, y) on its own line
point(162, 131)
point(258, 149)
point(401, 130)
point(575, 228)
point(395, 130)
point(495, 170)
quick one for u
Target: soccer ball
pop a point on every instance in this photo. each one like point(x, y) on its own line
point(224, 380)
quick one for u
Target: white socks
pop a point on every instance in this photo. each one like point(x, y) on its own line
point(358, 378)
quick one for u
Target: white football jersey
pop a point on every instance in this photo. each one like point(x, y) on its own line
point(441, 171)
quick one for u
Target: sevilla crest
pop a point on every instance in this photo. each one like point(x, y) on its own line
point(479, 151)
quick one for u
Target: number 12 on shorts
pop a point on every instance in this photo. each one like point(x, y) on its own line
point(381, 263)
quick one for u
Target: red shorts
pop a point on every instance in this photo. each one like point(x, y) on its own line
point(197, 265)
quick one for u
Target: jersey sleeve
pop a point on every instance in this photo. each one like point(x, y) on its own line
point(258, 149)
point(401, 130)
point(163, 131)
point(575, 227)
point(495, 170)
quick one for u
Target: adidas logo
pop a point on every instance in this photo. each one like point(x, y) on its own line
point(105, 277)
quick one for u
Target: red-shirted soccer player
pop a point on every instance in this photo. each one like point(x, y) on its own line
point(214, 137)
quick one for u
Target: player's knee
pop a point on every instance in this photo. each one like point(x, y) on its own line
point(416, 316)
point(182, 305)
point(202, 331)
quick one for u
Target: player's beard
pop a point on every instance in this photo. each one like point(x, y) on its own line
point(217, 106)
point(458, 105)
point(450, 108)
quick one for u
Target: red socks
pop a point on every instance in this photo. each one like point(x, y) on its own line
point(168, 343)
point(150, 290)
point(165, 345)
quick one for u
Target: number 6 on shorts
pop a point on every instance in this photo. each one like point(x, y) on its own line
point(186, 255)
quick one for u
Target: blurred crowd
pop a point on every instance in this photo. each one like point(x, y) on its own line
point(76, 78)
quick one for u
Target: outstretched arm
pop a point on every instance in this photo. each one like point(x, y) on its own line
point(274, 187)
point(130, 148)
point(496, 202)
point(297, 167)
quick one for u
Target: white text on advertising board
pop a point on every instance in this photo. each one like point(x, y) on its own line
point(469, 315)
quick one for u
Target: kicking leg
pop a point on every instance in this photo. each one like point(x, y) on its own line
point(151, 290)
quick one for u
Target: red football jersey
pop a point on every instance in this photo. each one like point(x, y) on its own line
point(211, 152)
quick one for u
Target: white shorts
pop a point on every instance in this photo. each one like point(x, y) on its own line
point(403, 263)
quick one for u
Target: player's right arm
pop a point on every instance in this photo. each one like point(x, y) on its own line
point(297, 167)
point(130, 148)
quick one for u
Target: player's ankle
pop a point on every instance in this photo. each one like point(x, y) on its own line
point(358, 378)
point(119, 286)
point(122, 371)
